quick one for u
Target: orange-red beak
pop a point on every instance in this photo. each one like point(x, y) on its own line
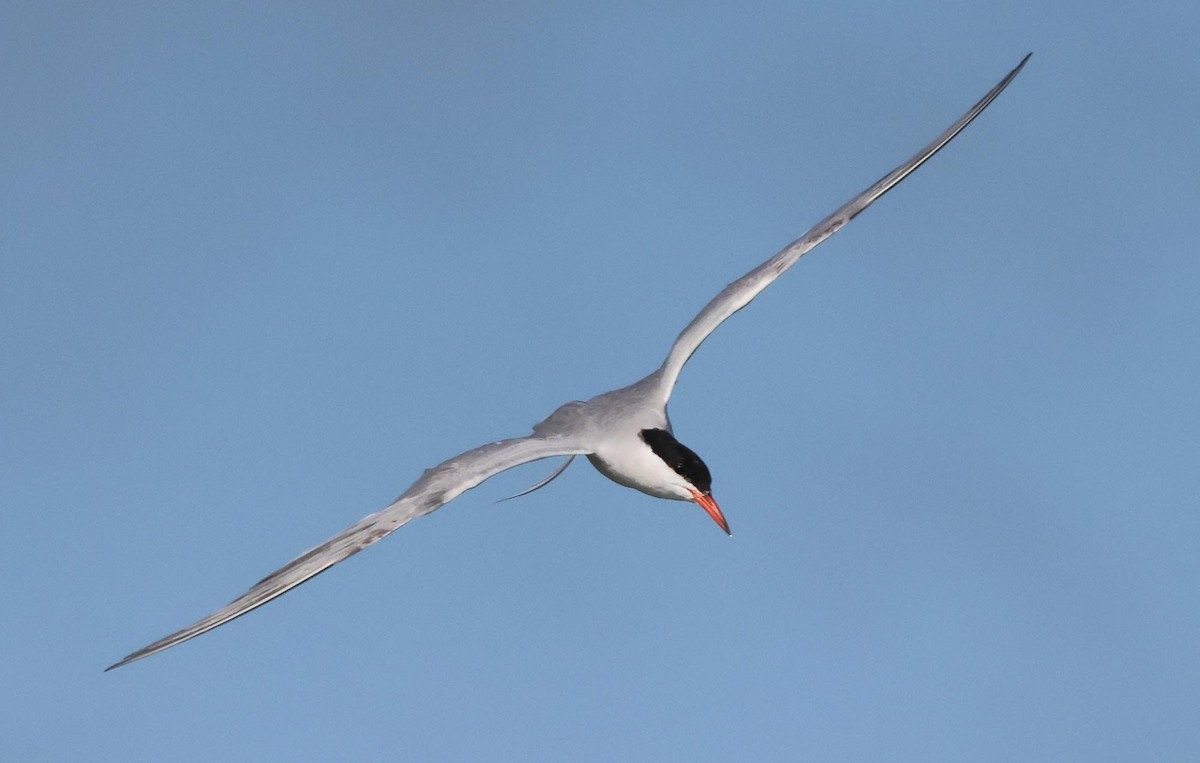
point(708, 504)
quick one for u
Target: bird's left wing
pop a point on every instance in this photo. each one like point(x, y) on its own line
point(436, 487)
point(738, 294)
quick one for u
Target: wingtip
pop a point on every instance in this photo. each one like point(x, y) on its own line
point(1008, 78)
point(124, 661)
point(134, 657)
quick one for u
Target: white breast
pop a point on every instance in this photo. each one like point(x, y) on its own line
point(631, 463)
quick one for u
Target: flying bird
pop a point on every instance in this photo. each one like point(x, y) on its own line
point(625, 433)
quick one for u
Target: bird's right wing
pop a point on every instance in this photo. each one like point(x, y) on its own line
point(738, 294)
point(436, 487)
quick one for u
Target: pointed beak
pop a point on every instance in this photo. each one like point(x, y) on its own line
point(708, 504)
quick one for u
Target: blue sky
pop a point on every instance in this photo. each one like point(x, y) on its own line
point(260, 266)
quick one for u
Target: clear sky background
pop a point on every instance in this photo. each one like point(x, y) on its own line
point(260, 264)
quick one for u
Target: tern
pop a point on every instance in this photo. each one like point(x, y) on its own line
point(625, 433)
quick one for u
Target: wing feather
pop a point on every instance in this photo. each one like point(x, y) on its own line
point(738, 294)
point(436, 487)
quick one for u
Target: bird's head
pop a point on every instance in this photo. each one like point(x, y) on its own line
point(694, 479)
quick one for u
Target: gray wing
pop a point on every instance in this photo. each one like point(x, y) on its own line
point(436, 487)
point(738, 294)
